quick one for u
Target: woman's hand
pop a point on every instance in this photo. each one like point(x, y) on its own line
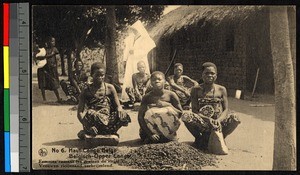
point(80, 117)
point(92, 112)
point(187, 93)
point(162, 104)
point(121, 113)
point(140, 97)
point(155, 137)
point(215, 123)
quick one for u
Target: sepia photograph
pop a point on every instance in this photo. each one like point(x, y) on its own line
point(163, 87)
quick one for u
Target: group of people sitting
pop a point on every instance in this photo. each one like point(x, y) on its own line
point(100, 111)
point(163, 101)
point(178, 83)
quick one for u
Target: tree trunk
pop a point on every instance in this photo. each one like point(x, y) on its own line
point(292, 30)
point(285, 109)
point(70, 57)
point(79, 43)
point(78, 58)
point(63, 67)
point(112, 71)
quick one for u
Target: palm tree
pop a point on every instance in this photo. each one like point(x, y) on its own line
point(285, 101)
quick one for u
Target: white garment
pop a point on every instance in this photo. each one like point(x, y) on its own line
point(141, 47)
point(42, 53)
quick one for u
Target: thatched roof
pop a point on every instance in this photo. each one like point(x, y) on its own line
point(186, 16)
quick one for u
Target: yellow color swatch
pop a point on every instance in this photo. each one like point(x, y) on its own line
point(6, 66)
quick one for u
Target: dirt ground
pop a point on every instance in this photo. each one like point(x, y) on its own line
point(55, 129)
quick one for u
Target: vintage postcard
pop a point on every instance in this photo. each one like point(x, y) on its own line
point(163, 87)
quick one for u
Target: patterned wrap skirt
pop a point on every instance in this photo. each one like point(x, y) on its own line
point(163, 122)
point(184, 100)
point(133, 95)
point(197, 125)
point(103, 123)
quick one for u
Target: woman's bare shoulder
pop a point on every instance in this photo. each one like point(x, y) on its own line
point(110, 86)
point(220, 87)
point(146, 98)
point(134, 75)
point(169, 92)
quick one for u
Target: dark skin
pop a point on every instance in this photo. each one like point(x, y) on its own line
point(98, 89)
point(209, 77)
point(178, 70)
point(78, 68)
point(158, 97)
point(53, 53)
point(140, 78)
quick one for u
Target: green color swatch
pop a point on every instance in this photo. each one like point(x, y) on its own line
point(6, 110)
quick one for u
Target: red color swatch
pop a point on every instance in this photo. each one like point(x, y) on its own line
point(5, 24)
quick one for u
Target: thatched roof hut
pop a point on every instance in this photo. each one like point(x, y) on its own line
point(235, 38)
point(186, 16)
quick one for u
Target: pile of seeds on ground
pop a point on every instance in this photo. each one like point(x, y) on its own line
point(168, 156)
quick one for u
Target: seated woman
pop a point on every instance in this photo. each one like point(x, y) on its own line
point(104, 114)
point(140, 82)
point(181, 85)
point(159, 112)
point(209, 108)
point(73, 88)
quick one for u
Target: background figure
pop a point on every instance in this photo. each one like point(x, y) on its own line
point(138, 44)
point(48, 75)
point(73, 88)
point(140, 83)
point(181, 85)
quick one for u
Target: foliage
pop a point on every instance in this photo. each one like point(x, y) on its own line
point(70, 24)
point(76, 27)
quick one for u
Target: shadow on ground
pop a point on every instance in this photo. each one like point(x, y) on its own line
point(131, 143)
point(72, 143)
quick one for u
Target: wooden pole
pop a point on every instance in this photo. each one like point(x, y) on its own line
point(254, 87)
point(173, 58)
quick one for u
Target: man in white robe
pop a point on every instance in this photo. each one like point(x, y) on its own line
point(138, 45)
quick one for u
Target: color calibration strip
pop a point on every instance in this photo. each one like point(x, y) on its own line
point(14, 86)
point(16, 62)
point(6, 87)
